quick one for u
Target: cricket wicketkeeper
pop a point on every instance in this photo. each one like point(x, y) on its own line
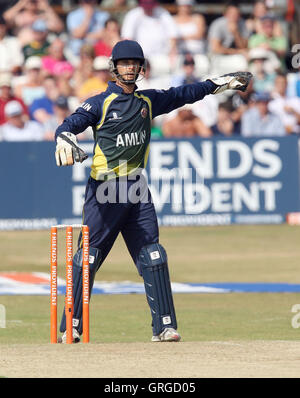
point(121, 121)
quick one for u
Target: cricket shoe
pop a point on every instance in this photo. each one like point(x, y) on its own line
point(168, 334)
point(76, 337)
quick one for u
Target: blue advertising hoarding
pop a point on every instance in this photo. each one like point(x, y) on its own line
point(192, 181)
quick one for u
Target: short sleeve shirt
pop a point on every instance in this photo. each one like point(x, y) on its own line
point(218, 30)
point(75, 19)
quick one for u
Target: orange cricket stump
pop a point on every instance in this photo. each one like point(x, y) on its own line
point(69, 299)
point(53, 286)
point(85, 285)
point(69, 284)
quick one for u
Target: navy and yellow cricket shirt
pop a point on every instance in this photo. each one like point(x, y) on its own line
point(122, 124)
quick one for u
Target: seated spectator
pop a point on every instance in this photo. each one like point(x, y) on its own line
point(254, 24)
point(271, 62)
point(41, 109)
point(60, 111)
point(268, 40)
point(287, 108)
point(110, 36)
point(188, 72)
point(228, 34)
point(18, 128)
point(6, 95)
point(85, 25)
point(55, 62)
point(152, 26)
point(65, 87)
point(184, 123)
point(31, 87)
point(24, 13)
point(263, 80)
point(11, 57)
point(191, 28)
point(260, 121)
point(97, 82)
point(84, 69)
point(225, 126)
point(39, 45)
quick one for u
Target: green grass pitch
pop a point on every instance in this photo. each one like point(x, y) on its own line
point(196, 254)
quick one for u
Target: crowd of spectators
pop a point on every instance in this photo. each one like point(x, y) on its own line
point(50, 63)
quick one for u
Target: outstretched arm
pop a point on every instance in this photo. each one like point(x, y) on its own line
point(164, 101)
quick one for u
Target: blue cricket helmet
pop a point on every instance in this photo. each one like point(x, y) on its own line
point(127, 49)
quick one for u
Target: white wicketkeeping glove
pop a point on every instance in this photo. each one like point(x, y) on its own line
point(232, 81)
point(67, 150)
